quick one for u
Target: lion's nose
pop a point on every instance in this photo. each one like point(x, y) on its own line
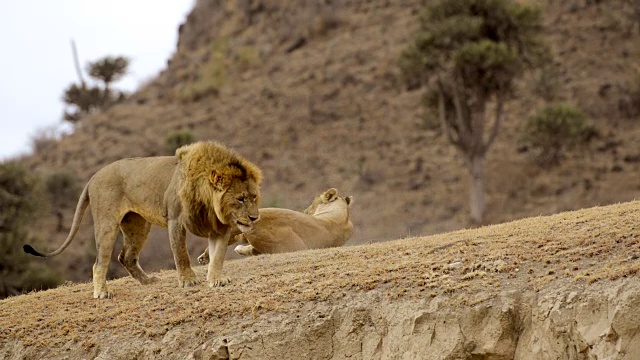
point(253, 218)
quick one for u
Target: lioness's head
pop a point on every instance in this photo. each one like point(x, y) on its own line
point(224, 181)
point(329, 201)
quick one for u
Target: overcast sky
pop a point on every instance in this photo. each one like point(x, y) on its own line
point(36, 63)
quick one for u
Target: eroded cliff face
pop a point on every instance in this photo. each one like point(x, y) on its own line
point(600, 323)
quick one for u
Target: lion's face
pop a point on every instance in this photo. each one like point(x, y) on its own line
point(240, 204)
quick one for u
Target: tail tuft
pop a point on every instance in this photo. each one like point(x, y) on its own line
point(30, 250)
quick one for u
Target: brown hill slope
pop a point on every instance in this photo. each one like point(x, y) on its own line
point(572, 256)
point(310, 92)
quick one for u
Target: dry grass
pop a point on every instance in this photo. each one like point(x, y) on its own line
point(465, 267)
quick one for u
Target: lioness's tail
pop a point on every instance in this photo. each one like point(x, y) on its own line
point(83, 202)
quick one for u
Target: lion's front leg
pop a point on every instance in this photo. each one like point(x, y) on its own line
point(178, 240)
point(217, 251)
point(203, 259)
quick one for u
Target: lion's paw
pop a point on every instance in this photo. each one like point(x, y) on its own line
point(188, 282)
point(244, 250)
point(150, 280)
point(203, 259)
point(219, 282)
point(102, 294)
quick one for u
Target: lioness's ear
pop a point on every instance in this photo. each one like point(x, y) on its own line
point(330, 194)
point(219, 181)
point(349, 200)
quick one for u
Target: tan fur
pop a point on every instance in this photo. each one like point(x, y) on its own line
point(326, 223)
point(206, 189)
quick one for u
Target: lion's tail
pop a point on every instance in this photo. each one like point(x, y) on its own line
point(83, 202)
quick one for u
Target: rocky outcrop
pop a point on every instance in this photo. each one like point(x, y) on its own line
point(571, 324)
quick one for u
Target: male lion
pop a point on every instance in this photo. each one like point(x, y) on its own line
point(324, 224)
point(206, 189)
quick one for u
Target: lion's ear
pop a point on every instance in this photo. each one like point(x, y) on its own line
point(349, 200)
point(219, 180)
point(330, 194)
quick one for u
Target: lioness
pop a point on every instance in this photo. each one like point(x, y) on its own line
point(206, 189)
point(324, 224)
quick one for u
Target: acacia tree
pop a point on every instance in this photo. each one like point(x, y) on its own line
point(84, 98)
point(107, 70)
point(469, 53)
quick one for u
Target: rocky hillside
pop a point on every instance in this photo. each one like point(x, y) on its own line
point(557, 287)
point(310, 91)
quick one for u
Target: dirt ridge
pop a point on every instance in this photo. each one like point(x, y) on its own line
point(570, 276)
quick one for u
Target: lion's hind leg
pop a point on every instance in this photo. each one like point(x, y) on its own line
point(135, 230)
point(105, 234)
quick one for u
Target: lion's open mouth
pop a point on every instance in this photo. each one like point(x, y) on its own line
point(243, 227)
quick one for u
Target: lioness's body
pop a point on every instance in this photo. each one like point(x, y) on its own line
point(326, 223)
point(284, 230)
point(197, 190)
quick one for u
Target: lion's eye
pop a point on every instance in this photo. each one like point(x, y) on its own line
point(240, 200)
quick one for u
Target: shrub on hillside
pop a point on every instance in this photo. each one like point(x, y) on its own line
point(553, 130)
point(62, 190)
point(211, 76)
point(548, 83)
point(629, 103)
point(19, 272)
point(177, 139)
